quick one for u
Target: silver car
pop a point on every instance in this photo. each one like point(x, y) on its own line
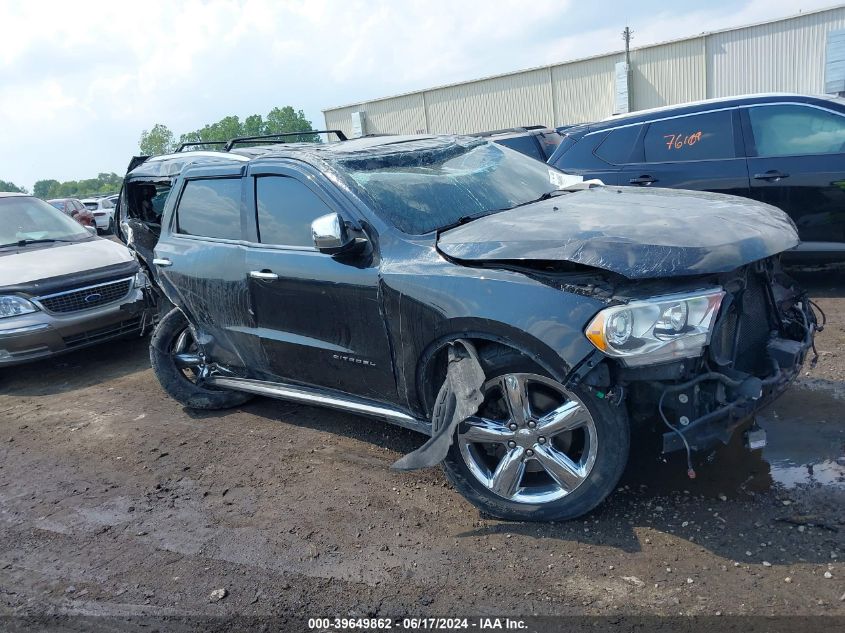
point(62, 288)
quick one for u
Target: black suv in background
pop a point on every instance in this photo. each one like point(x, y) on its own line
point(524, 321)
point(536, 141)
point(786, 150)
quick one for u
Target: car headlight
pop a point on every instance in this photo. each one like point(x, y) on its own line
point(10, 306)
point(656, 330)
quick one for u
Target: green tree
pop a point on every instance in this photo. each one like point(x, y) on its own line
point(5, 185)
point(253, 125)
point(280, 120)
point(102, 184)
point(158, 140)
point(42, 188)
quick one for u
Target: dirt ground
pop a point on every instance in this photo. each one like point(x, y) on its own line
point(115, 500)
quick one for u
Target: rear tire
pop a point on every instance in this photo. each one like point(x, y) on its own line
point(176, 381)
point(597, 450)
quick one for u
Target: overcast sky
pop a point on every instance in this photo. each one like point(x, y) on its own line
point(80, 80)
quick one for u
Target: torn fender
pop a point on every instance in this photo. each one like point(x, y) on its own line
point(461, 395)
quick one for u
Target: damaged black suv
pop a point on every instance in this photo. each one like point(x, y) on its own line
point(526, 321)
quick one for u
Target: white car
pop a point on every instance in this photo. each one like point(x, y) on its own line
point(103, 212)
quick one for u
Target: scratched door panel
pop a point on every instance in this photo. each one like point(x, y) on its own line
point(320, 322)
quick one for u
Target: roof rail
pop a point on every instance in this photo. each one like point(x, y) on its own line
point(279, 138)
point(270, 138)
point(195, 143)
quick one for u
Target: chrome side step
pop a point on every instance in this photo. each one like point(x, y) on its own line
point(310, 395)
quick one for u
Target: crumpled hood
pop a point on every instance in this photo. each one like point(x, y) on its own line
point(638, 233)
point(44, 263)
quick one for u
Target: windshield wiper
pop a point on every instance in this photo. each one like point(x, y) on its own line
point(28, 242)
point(464, 219)
point(546, 196)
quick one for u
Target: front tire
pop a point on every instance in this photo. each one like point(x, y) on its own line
point(172, 340)
point(535, 450)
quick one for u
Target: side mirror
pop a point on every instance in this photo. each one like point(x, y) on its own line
point(91, 230)
point(330, 234)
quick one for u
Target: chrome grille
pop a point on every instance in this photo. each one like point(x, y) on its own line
point(78, 299)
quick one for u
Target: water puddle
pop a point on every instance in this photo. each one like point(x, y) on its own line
point(806, 433)
point(806, 447)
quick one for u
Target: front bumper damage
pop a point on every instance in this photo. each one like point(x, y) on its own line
point(743, 397)
point(760, 341)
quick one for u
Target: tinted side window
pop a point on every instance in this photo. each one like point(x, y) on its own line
point(619, 145)
point(791, 130)
point(566, 142)
point(580, 155)
point(524, 145)
point(286, 208)
point(211, 208)
point(548, 143)
point(693, 137)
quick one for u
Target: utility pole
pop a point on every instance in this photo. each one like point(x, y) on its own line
point(623, 77)
point(627, 36)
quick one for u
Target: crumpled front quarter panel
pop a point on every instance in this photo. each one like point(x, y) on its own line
point(429, 299)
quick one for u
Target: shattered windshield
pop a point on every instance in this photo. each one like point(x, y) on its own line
point(426, 189)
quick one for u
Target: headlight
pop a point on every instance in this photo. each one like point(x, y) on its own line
point(10, 306)
point(656, 330)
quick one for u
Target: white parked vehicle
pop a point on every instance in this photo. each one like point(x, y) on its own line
point(103, 211)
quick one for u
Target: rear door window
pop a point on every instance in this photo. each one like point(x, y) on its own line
point(285, 208)
point(618, 147)
point(210, 208)
point(708, 136)
point(795, 130)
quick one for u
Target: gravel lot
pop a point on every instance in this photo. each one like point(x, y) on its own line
point(115, 500)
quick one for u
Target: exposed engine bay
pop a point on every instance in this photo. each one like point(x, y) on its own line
point(761, 335)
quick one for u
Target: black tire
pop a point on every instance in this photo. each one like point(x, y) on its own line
point(612, 430)
point(173, 380)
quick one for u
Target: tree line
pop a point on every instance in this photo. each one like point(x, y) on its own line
point(49, 189)
point(161, 140)
point(103, 183)
point(5, 185)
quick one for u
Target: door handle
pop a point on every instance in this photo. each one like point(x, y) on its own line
point(162, 262)
point(263, 274)
point(773, 175)
point(643, 180)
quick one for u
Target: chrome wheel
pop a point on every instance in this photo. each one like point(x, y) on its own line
point(186, 356)
point(531, 440)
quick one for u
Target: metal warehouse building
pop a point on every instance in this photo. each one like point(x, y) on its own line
point(804, 53)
